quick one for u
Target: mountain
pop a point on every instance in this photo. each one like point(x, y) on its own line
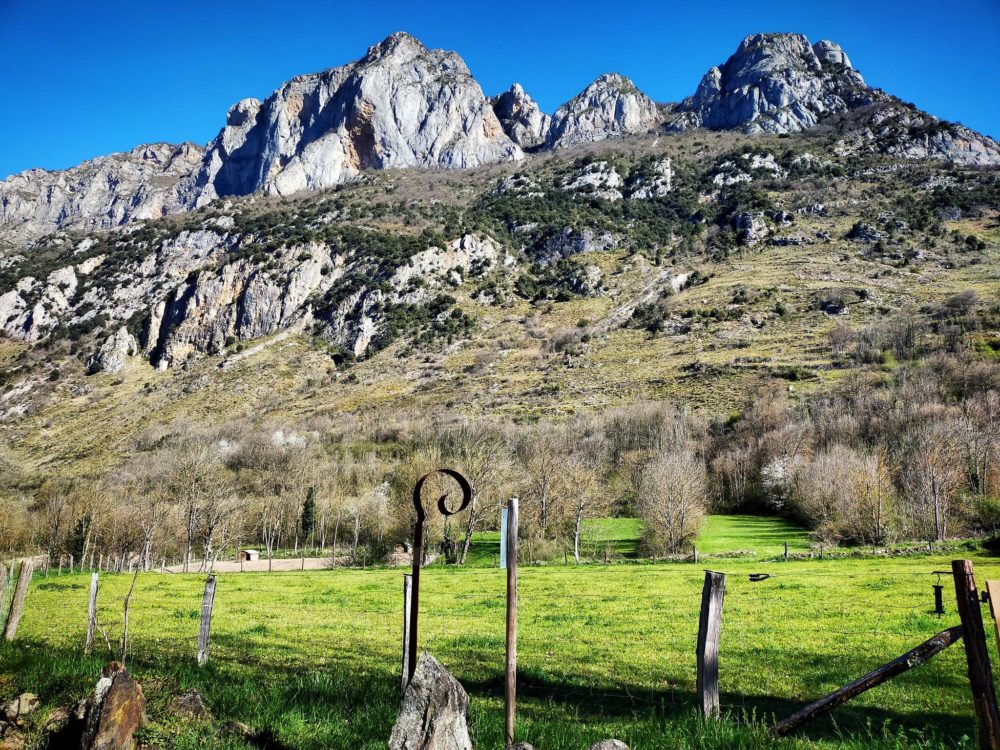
point(610, 106)
point(401, 105)
point(781, 83)
point(522, 120)
point(775, 83)
point(144, 183)
point(405, 106)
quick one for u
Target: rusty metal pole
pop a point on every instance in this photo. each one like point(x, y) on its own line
point(418, 549)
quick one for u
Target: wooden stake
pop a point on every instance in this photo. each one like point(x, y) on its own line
point(91, 615)
point(204, 632)
point(695, 555)
point(17, 603)
point(913, 658)
point(407, 600)
point(510, 677)
point(984, 696)
point(993, 592)
point(709, 629)
point(786, 551)
point(3, 586)
point(71, 564)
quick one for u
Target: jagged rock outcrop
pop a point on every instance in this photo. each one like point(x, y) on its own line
point(143, 183)
point(114, 353)
point(401, 105)
point(521, 119)
point(900, 130)
point(776, 83)
point(114, 712)
point(610, 106)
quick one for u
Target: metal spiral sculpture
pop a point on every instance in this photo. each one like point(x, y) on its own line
point(418, 546)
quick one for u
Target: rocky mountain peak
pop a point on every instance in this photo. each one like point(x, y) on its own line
point(400, 43)
point(611, 105)
point(522, 120)
point(778, 83)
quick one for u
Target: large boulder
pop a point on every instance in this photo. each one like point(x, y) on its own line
point(609, 745)
point(435, 711)
point(114, 353)
point(16, 710)
point(114, 712)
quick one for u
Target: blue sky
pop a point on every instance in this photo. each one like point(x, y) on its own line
point(81, 79)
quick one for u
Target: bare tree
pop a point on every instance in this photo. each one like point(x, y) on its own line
point(673, 500)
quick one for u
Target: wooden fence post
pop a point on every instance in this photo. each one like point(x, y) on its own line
point(786, 551)
point(510, 676)
point(91, 615)
point(17, 603)
point(71, 564)
point(204, 632)
point(984, 696)
point(407, 601)
point(695, 555)
point(3, 587)
point(709, 628)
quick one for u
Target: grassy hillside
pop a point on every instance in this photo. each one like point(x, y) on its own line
point(758, 310)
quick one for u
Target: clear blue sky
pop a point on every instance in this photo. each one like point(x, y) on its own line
point(83, 78)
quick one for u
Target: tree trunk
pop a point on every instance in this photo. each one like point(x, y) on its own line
point(576, 539)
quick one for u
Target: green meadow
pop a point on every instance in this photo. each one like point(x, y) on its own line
point(312, 660)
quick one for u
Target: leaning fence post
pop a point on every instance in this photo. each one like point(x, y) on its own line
point(984, 697)
point(709, 628)
point(17, 603)
point(207, 602)
point(510, 677)
point(91, 615)
point(407, 600)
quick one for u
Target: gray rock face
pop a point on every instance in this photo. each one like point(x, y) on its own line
point(776, 83)
point(105, 192)
point(572, 241)
point(902, 131)
point(435, 711)
point(401, 105)
point(114, 353)
point(521, 119)
point(610, 106)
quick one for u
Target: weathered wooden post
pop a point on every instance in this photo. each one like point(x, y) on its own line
point(786, 551)
point(510, 675)
point(984, 697)
point(71, 564)
point(3, 587)
point(407, 601)
point(695, 555)
point(17, 603)
point(91, 615)
point(204, 632)
point(709, 628)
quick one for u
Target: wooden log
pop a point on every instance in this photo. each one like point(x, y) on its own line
point(709, 628)
point(91, 615)
point(17, 603)
point(912, 658)
point(407, 601)
point(204, 632)
point(984, 697)
point(510, 673)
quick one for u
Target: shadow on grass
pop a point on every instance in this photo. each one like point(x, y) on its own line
point(329, 706)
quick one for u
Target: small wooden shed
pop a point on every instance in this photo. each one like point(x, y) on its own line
point(249, 555)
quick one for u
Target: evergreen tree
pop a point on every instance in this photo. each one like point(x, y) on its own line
point(308, 524)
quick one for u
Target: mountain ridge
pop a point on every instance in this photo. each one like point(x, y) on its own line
point(403, 105)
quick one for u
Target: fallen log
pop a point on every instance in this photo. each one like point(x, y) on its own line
point(904, 663)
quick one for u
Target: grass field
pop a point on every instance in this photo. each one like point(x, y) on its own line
point(313, 658)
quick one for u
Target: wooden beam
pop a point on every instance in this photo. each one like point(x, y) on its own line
point(205, 631)
point(984, 697)
point(17, 603)
point(709, 630)
point(510, 675)
point(912, 658)
point(993, 589)
point(91, 615)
